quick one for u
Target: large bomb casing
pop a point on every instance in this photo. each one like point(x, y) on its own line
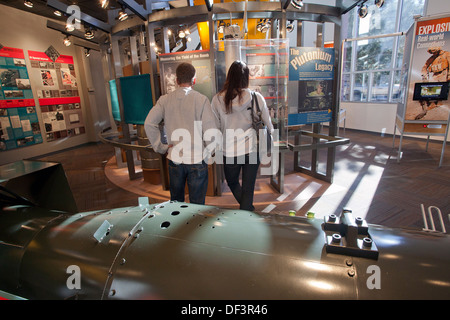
point(185, 251)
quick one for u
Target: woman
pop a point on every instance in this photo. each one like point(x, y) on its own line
point(232, 108)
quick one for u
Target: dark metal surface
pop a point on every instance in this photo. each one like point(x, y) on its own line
point(186, 251)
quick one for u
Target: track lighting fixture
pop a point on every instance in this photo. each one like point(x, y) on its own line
point(122, 15)
point(379, 3)
point(104, 3)
point(67, 41)
point(57, 13)
point(259, 25)
point(89, 33)
point(87, 52)
point(70, 27)
point(181, 34)
point(363, 11)
point(265, 28)
point(28, 3)
point(263, 25)
point(290, 26)
point(297, 4)
point(221, 26)
point(209, 4)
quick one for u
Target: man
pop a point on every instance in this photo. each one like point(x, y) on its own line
point(187, 115)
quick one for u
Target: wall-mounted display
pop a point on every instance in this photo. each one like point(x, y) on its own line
point(313, 68)
point(58, 95)
point(19, 124)
point(62, 120)
point(200, 59)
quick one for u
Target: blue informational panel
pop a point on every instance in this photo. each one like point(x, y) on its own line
point(313, 68)
point(311, 63)
point(19, 123)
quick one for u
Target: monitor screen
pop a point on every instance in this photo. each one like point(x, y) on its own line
point(431, 91)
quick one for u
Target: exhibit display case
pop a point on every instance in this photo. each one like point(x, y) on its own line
point(267, 60)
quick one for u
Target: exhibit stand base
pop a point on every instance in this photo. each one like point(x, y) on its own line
point(421, 128)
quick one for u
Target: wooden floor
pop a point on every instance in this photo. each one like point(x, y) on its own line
point(367, 178)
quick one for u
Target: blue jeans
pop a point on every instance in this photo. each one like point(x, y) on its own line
point(196, 176)
point(232, 168)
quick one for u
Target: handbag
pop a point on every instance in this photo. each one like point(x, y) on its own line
point(264, 137)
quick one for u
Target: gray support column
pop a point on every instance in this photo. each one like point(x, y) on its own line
point(134, 55)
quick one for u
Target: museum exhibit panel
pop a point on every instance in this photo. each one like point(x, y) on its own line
point(425, 76)
point(96, 82)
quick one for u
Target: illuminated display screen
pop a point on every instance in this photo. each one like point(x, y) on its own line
point(431, 91)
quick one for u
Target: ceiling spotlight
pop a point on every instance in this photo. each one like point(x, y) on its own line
point(379, 3)
point(362, 11)
point(221, 26)
point(259, 25)
point(189, 39)
point(123, 15)
point(67, 41)
point(169, 32)
point(181, 34)
point(297, 4)
point(57, 13)
point(89, 34)
point(29, 4)
point(87, 52)
point(266, 26)
point(104, 3)
point(290, 26)
point(209, 4)
point(70, 27)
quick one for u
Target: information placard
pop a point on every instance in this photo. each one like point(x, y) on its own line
point(313, 68)
point(19, 124)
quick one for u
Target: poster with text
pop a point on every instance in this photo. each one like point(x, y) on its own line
point(429, 74)
point(313, 69)
point(19, 124)
point(200, 59)
point(58, 95)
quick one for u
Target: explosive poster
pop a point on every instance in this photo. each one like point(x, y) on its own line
point(313, 68)
point(19, 124)
point(58, 95)
point(200, 59)
point(430, 64)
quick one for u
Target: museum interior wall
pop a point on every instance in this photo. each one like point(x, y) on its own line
point(27, 31)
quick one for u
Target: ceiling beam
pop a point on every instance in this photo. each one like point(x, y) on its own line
point(91, 44)
point(55, 4)
point(136, 8)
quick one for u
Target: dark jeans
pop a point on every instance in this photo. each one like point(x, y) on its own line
point(232, 168)
point(196, 176)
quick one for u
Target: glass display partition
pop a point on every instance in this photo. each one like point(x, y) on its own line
point(268, 61)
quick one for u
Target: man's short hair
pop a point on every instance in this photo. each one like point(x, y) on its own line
point(185, 73)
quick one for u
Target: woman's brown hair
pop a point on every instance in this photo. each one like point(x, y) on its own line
point(237, 80)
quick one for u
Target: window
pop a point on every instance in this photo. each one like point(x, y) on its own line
point(371, 67)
